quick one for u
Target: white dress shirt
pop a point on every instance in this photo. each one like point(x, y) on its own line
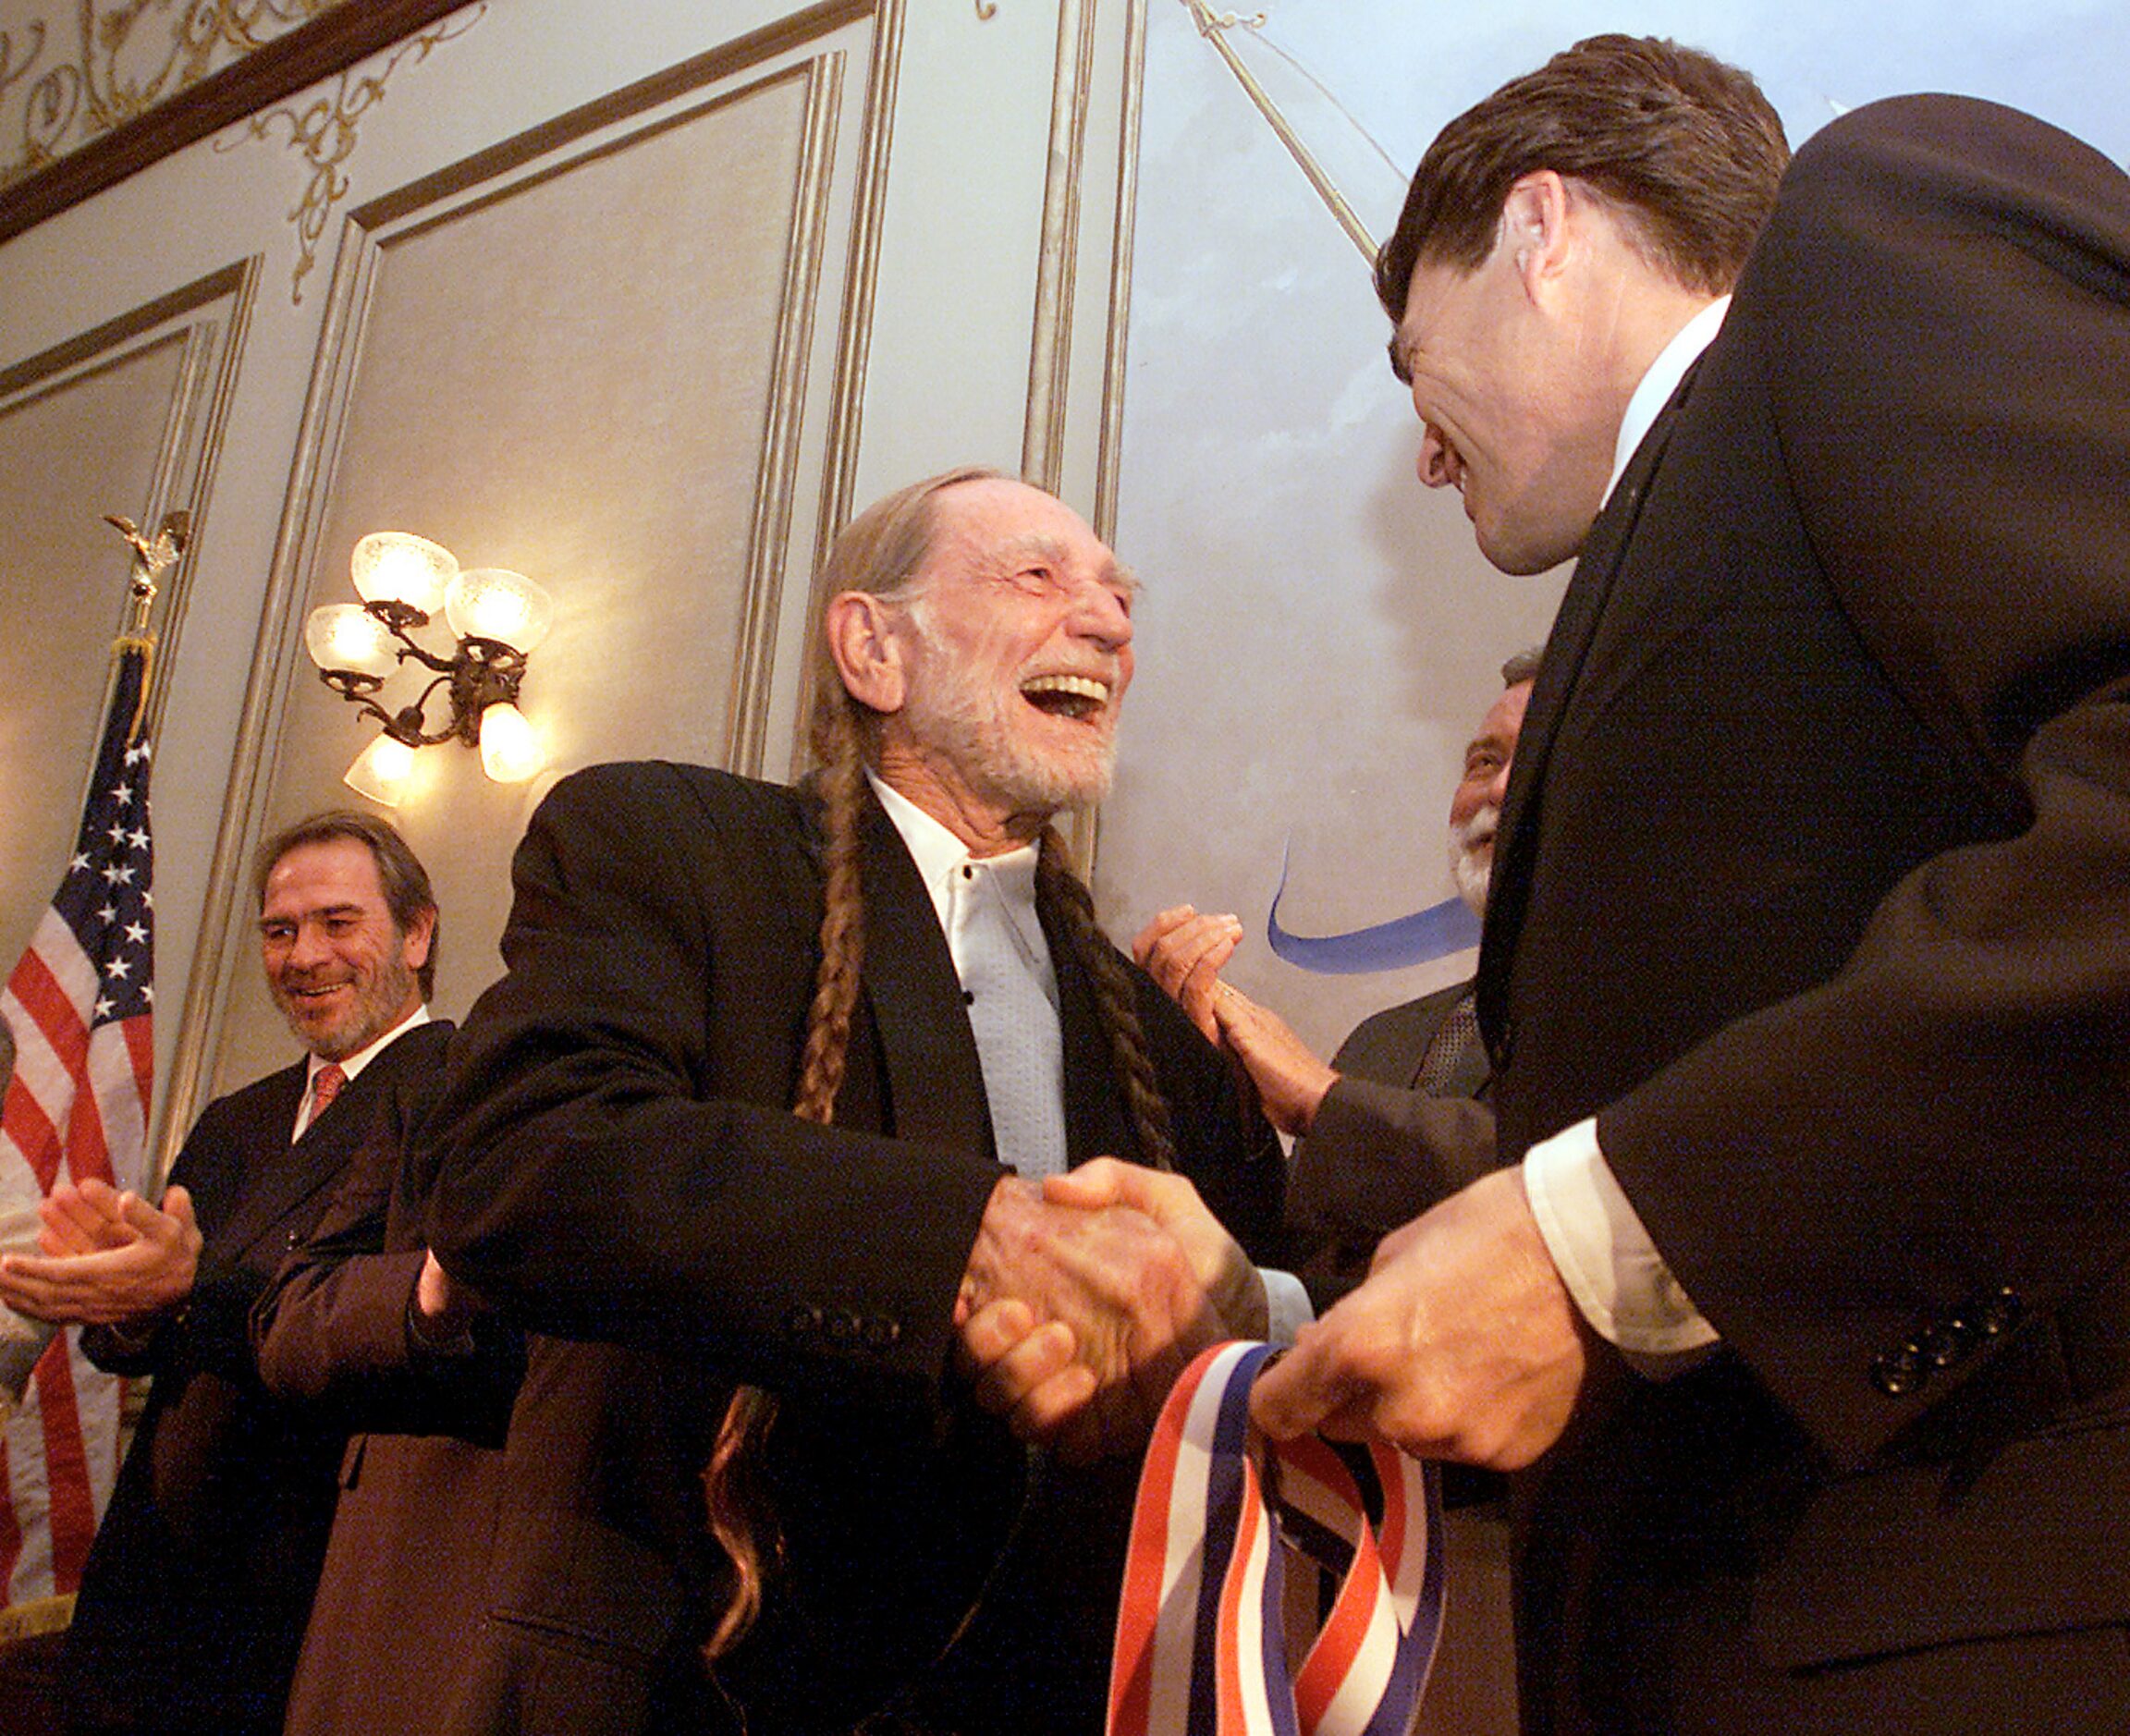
point(1605, 1255)
point(353, 1065)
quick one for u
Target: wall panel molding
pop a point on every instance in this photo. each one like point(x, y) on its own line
point(727, 598)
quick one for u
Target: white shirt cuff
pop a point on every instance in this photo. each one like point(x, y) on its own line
point(1287, 1306)
point(1606, 1258)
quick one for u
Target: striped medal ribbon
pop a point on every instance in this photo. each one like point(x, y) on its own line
point(1201, 1639)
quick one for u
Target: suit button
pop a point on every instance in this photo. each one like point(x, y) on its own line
point(842, 1326)
point(801, 1321)
point(1947, 1342)
point(1899, 1373)
point(2000, 1313)
point(882, 1334)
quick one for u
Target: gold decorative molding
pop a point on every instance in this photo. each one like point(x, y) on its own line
point(986, 9)
point(324, 131)
point(776, 469)
point(1109, 441)
point(129, 58)
point(847, 395)
point(1043, 431)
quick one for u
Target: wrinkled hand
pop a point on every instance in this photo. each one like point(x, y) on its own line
point(1077, 1322)
point(1183, 951)
point(1218, 1263)
point(1463, 1343)
point(82, 1218)
point(107, 1256)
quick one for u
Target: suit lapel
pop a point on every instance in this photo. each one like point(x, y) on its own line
point(283, 1175)
point(935, 1080)
point(1582, 607)
point(280, 1174)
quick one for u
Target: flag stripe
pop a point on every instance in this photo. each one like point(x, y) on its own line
point(78, 1004)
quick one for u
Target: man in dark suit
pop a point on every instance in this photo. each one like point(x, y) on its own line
point(1398, 1119)
point(1803, 972)
point(742, 1102)
point(196, 1590)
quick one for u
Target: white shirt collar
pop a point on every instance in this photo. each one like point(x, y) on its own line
point(356, 1062)
point(940, 856)
point(1662, 380)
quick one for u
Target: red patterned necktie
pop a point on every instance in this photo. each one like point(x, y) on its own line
point(325, 1086)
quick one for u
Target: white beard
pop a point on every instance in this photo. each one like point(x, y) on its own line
point(1471, 858)
point(967, 722)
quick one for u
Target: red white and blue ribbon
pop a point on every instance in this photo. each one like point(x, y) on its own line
point(1201, 1633)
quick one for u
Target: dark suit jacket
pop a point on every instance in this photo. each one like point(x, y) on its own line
point(1811, 888)
point(196, 1590)
point(619, 1163)
point(1379, 1150)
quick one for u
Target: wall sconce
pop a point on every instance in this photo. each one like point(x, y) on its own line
point(497, 616)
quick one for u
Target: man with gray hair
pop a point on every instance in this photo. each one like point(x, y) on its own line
point(745, 1100)
point(194, 1596)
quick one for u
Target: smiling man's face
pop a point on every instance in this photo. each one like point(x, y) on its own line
point(1017, 646)
point(341, 971)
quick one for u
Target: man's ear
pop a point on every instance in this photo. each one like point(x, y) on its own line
point(1534, 228)
point(414, 941)
point(866, 648)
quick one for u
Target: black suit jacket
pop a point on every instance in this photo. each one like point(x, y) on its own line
point(196, 1589)
point(1381, 1151)
point(1812, 890)
point(619, 1162)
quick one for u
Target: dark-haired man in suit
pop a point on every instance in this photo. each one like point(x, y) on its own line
point(743, 1101)
point(1805, 969)
point(197, 1587)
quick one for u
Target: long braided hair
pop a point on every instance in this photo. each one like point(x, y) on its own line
point(880, 552)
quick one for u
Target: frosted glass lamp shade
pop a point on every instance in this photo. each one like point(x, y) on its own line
point(495, 602)
point(346, 638)
point(380, 771)
point(509, 751)
point(399, 567)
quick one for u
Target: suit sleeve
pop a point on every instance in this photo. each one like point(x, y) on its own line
point(1374, 1157)
point(1934, 1141)
point(332, 1327)
point(599, 1177)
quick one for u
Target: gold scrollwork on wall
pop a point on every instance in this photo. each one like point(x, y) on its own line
point(130, 57)
point(324, 129)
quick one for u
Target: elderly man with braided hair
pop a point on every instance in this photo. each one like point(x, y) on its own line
point(740, 1099)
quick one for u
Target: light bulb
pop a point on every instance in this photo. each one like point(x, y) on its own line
point(509, 751)
point(399, 567)
point(347, 638)
point(495, 602)
point(380, 771)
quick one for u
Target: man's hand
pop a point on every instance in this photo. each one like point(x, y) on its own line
point(1463, 1343)
point(1119, 1284)
point(108, 1257)
point(1218, 1263)
point(444, 1309)
point(1183, 951)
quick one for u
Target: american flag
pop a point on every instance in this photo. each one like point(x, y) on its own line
point(80, 1006)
